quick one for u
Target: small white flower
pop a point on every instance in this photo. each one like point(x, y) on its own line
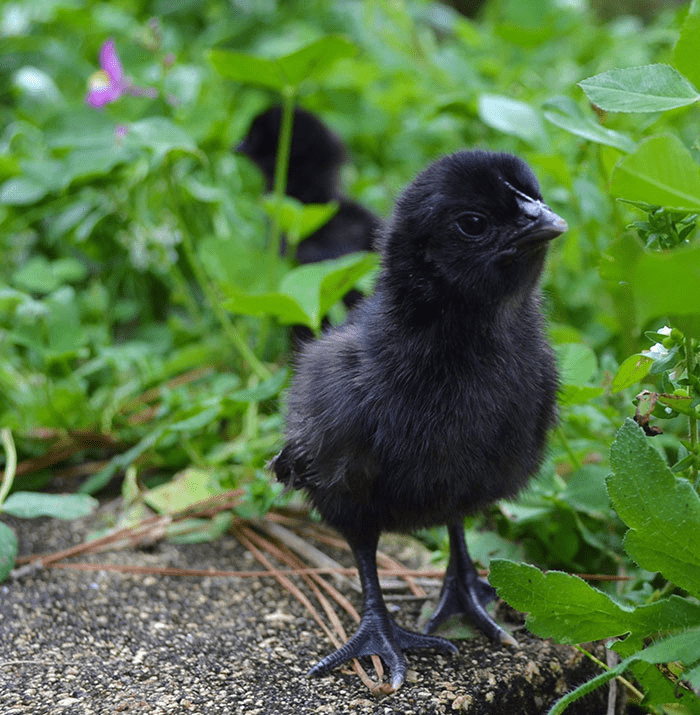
point(657, 351)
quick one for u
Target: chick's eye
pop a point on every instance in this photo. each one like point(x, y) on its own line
point(472, 224)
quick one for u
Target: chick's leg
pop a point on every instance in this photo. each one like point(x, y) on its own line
point(464, 592)
point(377, 633)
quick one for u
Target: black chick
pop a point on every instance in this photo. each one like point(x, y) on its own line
point(315, 159)
point(435, 397)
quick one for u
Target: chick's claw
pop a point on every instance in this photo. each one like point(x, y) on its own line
point(380, 635)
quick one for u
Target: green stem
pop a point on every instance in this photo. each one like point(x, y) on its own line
point(232, 333)
point(692, 420)
point(184, 291)
point(10, 463)
point(631, 689)
point(575, 461)
point(282, 167)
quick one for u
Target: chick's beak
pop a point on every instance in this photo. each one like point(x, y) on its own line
point(542, 224)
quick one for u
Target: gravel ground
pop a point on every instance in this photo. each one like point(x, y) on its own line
point(74, 642)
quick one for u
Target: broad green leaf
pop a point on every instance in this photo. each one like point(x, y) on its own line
point(660, 172)
point(64, 333)
point(161, 136)
point(37, 84)
point(183, 490)
point(693, 677)
point(585, 491)
point(578, 394)
point(248, 69)
point(679, 403)
point(662, 510)
point(567, 115)
point(564, 607)
point(312, 61)
point(8, 550)
point(36, 275)
point(28, 505)
point(196, 531)
point(682, 647)
point(512, 117)
point(669, 615)
point(577, 363)
point(21, 191)
point(667, 283)
point(559, 605)
point(237, 265)
point(318, 286)
point(487, 545)
point(650, 88)
point(632, 370)
point(95, 161)
point(339, 280)
point(298, 220)
point(282, 73)
point(685, 54)
point(617, 263)
point(284, 308)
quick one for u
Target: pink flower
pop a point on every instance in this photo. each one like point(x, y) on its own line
point(109, 83)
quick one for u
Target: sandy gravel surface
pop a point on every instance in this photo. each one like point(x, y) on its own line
point(74, 642)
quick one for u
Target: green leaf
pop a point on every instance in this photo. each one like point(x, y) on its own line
point(650, 88)
point(282, 73)
point(318, 286)
point(679, 403)
point(161, 136)
point(8, 550)
point(660, 532)
point(183, 490)
point(577, 363)
point(36, 275)
point(617, 263)
point(577, 394)
point(585, 491)
point(685, 54)
point(564, 607)
point(559, 605)
point(29, 505)
point(196, 531)
point(660, 172)
point(632, 370)
point(484, 546)
point(312, 61)
point(667, 284)
point(21, 191)
point(95, 161)
point(683, 648)
point(299, 220)
point(263, 391)
point(568, 116)
point(512, 117)
point(248, 69)
point(282, 307)
point(196, 422)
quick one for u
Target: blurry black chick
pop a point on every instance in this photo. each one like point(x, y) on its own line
point(315, 159)
point(435, 397)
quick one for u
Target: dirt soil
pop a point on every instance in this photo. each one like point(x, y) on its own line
point(75, 642)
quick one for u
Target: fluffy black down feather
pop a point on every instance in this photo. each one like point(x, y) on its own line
point(435, 397)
